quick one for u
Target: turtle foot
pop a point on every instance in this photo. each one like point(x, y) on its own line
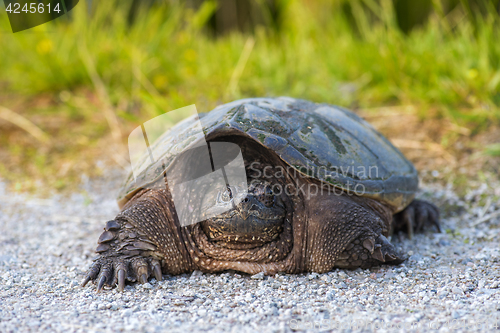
point(111, 272)
point(123, 256)
point(369, 251)
point(416, 217)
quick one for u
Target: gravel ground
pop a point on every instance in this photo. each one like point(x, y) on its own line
point(449, 284)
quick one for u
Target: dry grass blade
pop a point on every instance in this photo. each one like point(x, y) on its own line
point(24, 123)
point(424, 145)
point(388, 111)
point(240, 66)
point(139, 75)
point(101, 91)
point(486, 218)
point(121, 161)
point(486, 207)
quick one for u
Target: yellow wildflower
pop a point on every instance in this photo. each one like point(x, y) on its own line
point(44, 46)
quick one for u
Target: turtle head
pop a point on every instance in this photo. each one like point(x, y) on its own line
point(254, 216)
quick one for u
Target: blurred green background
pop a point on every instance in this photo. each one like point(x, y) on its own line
point(72, 89)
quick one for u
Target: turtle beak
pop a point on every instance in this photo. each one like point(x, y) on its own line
point(244, 214)
point(246, 206)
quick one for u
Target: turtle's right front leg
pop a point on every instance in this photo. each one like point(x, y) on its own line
point(144, 240)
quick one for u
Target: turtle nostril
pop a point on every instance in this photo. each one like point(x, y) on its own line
point(245, 200)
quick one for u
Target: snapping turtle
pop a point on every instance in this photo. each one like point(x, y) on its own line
point(324, 190)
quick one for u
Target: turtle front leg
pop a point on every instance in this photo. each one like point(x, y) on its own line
point(369, 251)
point(123, 255)
point(414, 218)
point(142, 241)
point(346, 232)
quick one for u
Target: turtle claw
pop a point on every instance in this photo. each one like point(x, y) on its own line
point(121, 279)
point(386, 252)
point(391, 256)
point(377, 253)
point(408, 218)
point(369, 244)
point(105, 276)
point(91, 273)
point(433, 216)
point(85, 281)
point(113, 272)
point(157, 270)
point(100, 285)
point(141, 269)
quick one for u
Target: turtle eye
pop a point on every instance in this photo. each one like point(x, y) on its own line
point(269, 191)
point(226, 195)
point(267, 197)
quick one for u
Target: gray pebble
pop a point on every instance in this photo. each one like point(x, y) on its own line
point(258, 276)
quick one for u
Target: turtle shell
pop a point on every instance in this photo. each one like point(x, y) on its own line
point(322, 141)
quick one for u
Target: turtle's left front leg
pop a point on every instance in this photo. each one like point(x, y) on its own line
point(144, 240)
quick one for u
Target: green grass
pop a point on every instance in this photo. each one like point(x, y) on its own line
point(449, 68)
point(493, 149)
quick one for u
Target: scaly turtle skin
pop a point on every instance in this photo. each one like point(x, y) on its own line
point(325, 190)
